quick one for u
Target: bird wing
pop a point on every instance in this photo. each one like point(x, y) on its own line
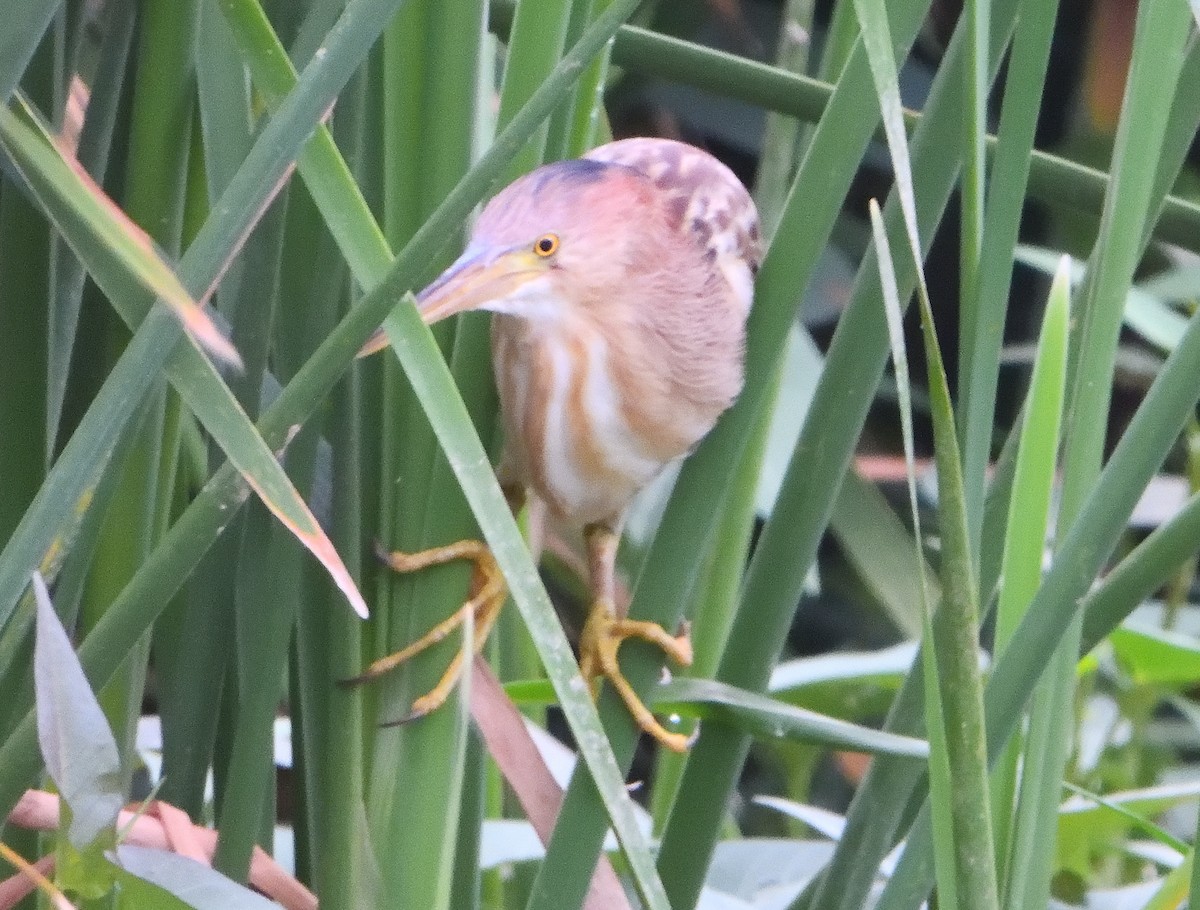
point(704, 197)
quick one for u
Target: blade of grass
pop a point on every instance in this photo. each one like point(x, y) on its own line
point(881, 801)
point(1025, 876)
point(329, 641)
point(26, 286)
point(193, 638)
point(202, 265)
point(199, 383)
point(977, 14)
point(56, 897)
point(1174, 887)
point(559, 126)
point(1031, 866)
point(1011, 163)
point(876, 541)
point(329, 645)
point(86, 217)
point(769, 717)
point(910, 883)
point(778, 158)
point(319, 19)
point(325, 174)
point(1160, 41)
point(267, 573)
point(153, 197)
point(39, 541)
point(535, 45)
point(401, 444)
point(16, 640)
point(956, 651)
point(1086, 545)
point(95, 139)
point(431, 62)
point(940, 774)
point(225, 105)
point(586, 127)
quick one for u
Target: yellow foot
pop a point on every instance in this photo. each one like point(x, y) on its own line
point(484, 606)
point(598, 646)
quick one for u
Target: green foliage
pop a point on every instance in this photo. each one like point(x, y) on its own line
point(281, 175)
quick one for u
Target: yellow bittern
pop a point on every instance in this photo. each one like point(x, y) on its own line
point(620, 284)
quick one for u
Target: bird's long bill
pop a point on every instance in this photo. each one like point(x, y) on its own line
point(475, 279)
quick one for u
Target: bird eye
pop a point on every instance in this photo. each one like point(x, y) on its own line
point(547, 245)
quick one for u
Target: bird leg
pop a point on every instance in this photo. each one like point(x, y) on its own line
point(605, 630)
point(484, 605)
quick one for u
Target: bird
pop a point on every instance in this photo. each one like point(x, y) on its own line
point(619, 285)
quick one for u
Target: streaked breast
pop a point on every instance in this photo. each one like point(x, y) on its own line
point(564, 415)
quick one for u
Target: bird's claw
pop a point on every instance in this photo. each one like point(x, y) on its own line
point(401, 721)
point(382, 553)
point(484, 605)
point(426, 704)
point(602, 637)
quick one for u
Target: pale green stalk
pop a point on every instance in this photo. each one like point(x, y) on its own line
point(1024, 547)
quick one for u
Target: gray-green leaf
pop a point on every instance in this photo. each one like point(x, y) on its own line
point(76, 741)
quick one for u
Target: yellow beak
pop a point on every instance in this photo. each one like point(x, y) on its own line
point(476, 279)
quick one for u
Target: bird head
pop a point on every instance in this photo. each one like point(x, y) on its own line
point(550, 241)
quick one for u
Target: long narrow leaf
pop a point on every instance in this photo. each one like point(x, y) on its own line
point(80, 752)
point(1027, 870)
point(96, 227)
point(1088, 543)
point(765, 716)
point(206, 259)
point(1029, 509)
point(1011, 163)
point(320, 164)
point(201, 386)
point(940, 778)
point(958, 668)
point(49, 525)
